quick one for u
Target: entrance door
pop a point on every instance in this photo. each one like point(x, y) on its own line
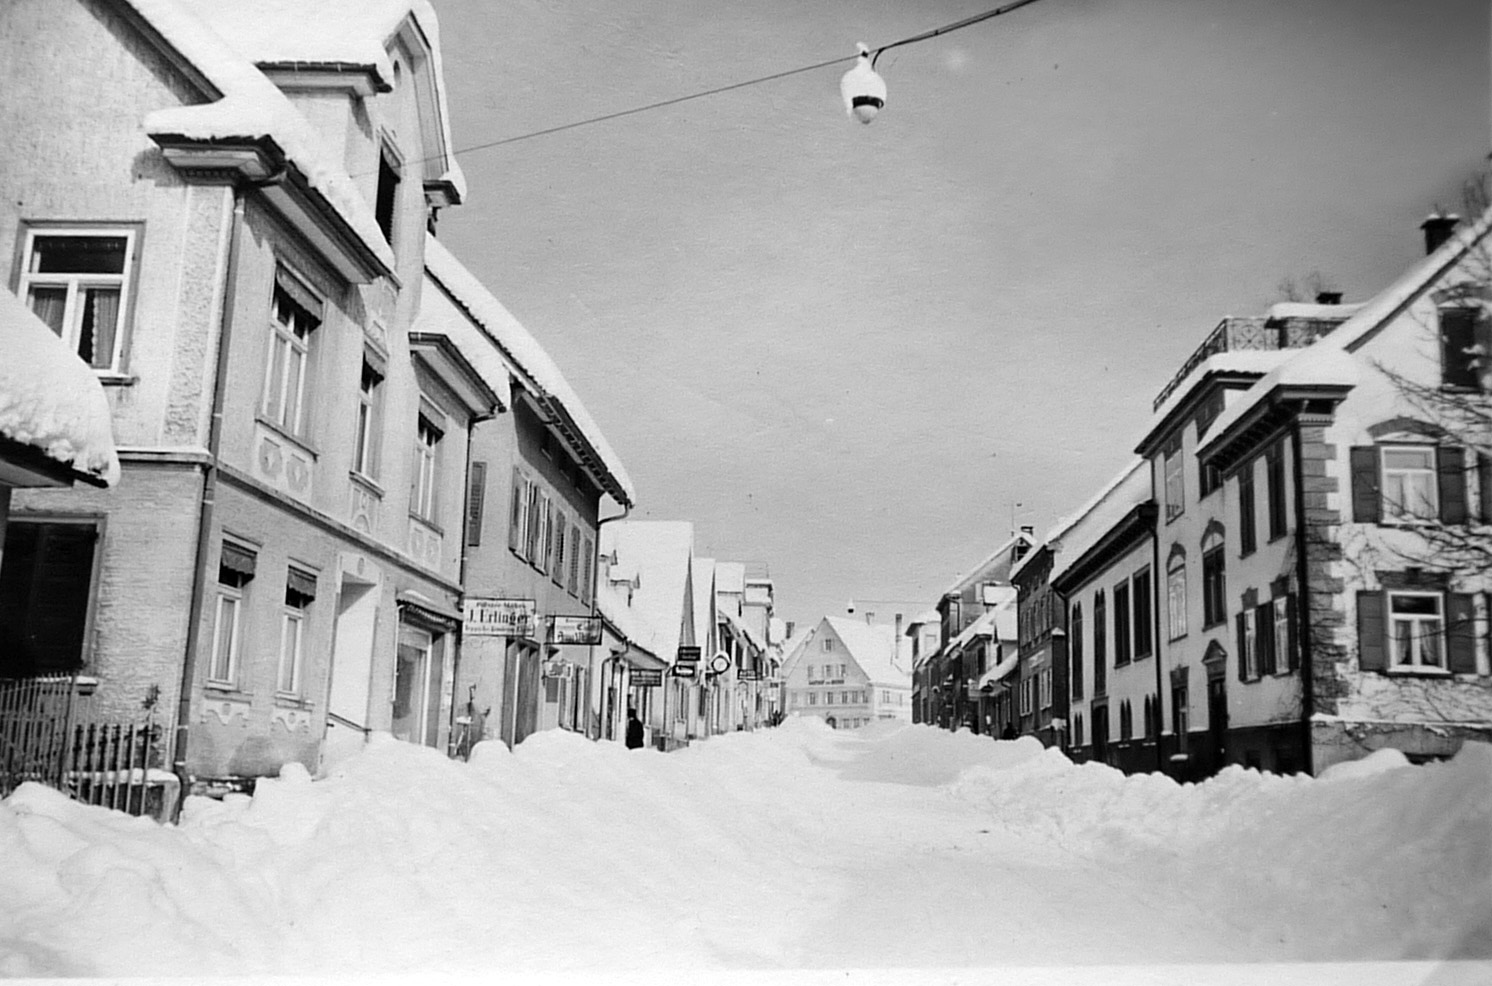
point(417, 691)
point(1217, 718)
point(352, 653)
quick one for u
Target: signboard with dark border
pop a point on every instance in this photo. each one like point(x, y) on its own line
point(499, 617)
point(575, 630)
point(748, 674)
point(686, 664)
point(645, 677)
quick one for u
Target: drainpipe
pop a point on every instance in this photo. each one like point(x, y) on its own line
point(209, 497)
point(1160, 727)
point(590, 662)
point(1303, 601)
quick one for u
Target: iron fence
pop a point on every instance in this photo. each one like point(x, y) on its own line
point(53, 734)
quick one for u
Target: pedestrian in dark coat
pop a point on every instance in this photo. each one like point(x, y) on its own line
point(634, 730)
point(1008, 733)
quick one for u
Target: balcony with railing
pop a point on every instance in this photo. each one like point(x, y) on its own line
point(1282, 329)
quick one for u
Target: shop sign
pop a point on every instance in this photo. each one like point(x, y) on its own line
point(749, 674)
point(499, 617)
point(686, 664)
point(575, 630)
point(645, 677)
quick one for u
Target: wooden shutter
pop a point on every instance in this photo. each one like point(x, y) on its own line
point(1367, 501)
point(475, 498)
point(1372, 645)
point(1264, 641)
point(573, 585)
point(557, 572)
point(515, 520)
point(1461, 632)
point(1457, 335)
point(1450, 463)
point(1484, 481)
point(1243, 667)
point(1292, 651)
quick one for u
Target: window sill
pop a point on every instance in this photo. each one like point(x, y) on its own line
point(285, 700)
point(366, 482)
point(1277, 537)
point(428, 523)
point(110, 379)
point(1213, 625)
point(223, 689)
point(1142, 657)
point(1419, 672)
point(295, 440)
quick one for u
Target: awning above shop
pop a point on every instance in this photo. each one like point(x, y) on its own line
point(993, 675)
point(434, 613)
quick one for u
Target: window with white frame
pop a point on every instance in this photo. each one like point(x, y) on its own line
point(1176, 596)
point(300, 592)
point(236, 566)
point(425, 479)
point(369, 422)
point(77, 279)
point(1283, 658)
point(294, 315)
point(1416, 629)
point(1408, 480)
point(827, 644)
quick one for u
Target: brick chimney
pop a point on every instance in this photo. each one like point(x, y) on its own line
point(1328, 297)
point(1438, 229)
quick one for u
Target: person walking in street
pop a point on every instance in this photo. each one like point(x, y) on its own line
point(634, 730)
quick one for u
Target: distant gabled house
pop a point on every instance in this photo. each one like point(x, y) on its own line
point(923, 630)
point(845, 674)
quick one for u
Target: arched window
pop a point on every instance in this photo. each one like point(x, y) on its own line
point(1176, 592)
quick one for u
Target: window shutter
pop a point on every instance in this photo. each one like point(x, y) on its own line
point(475, 498)
point(1292, 654)
point(1243, 670)
point(1461, 631)
point(1484, 481)
point(1372, 650)
point(515, 521)
point(1366, 499)
point(1264, 638)
point(1457, 336)
point(1450, 462)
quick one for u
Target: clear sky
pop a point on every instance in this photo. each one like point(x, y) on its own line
point(849, 351)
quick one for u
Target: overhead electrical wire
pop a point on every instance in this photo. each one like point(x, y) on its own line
point(924, 36)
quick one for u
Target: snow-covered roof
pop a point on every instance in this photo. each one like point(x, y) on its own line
point(532, 364)
point(1086, 526)
point(741, 627)
point(730, 576)
point(50, 398)
point(926, 616)
point(1305, 309)
point(337, 33)
point(872, 647)
point(661, 551)
point(252, 107)
point(999, 623)
point(704, 591)
point(439, 315)
point(991, 561)
point(1259, 361)
point(1007, 663)
point(1328, 360)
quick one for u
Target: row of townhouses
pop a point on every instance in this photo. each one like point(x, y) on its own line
point(352, 493)
point(1290, 572)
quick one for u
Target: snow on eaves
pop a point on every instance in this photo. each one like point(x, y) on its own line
point(1328, 361)
point(1097, 517)
point(439, 315)
point(534, 366)
point(659, 551)
point(1259, 361)
point(991, 559)
point(332, 32)
point(873, 648)
point(49, 398)
point(253, 108)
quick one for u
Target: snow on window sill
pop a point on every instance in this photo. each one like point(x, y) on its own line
point(1418, 671)
point(109, 378)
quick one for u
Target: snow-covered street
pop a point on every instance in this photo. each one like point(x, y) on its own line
point(796, 848)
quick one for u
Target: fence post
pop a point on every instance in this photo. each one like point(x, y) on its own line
point(67, 724)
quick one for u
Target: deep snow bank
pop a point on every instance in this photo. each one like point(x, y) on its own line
point(568, 854)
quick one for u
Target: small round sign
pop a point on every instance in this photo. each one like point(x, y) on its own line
point(720, 663)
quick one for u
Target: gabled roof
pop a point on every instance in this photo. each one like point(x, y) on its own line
point(870, 645)
point(439, 315)
point(50, 399)
point(1087, 526)
point(252, 108)
point(996, 566)
point(704, 595)
point(999, 624)
point(661, 553)
point(533, 368)
point(1328, 362)
point(342, 35)
point(730, 576)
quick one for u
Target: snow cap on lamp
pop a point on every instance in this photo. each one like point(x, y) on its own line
point(863, 90)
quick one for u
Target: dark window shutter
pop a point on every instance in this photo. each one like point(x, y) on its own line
point(1450, 463)
point(515, 520)
point(1264, 637)
point(1484, 480)
point(1367, 501)
point(1461, 631)
point(475, 497)
point(1372, 649)
point(1292, 654)
point(1243, 668)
